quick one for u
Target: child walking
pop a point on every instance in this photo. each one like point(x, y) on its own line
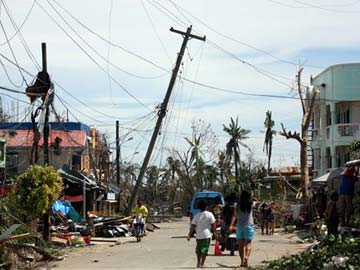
point(202, 224)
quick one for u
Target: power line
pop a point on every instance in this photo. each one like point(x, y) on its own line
point(61, 87)
point(96, 52)
point(325, 8)
point(236, 40)
point(172, 15)
point(94, 61)
point(12, 52)
point(8, 76)
point(263, 72)
point(110, 42)
point(22, 24)
point(257, 69)
point(22, 40)
point(308, 5)
point(84, 114)
point(155, 30)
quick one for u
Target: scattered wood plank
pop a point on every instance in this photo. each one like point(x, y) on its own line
point(107, 240)
point(15, 237)
point(9, 231)
point(155, 226)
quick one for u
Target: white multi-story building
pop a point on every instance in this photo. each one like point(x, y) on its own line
point(336, 118)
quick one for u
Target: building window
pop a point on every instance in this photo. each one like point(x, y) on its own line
point(76, 163)
point(12, 163)
point(328, 116)
point(328, 158)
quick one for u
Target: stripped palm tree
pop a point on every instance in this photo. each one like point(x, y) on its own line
point(196, 159)
point(237, 136)
point(269, 134)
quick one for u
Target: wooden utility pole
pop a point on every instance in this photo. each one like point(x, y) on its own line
point(46, 103)
point(117, 161)
point(117, 154)
point(162, 112)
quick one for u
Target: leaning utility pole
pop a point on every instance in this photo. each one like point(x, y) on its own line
point(162, 112)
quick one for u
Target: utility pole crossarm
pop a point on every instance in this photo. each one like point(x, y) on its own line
point(190, 35)
point(187, 35)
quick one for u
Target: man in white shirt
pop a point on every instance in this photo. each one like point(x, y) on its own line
point(201, 224)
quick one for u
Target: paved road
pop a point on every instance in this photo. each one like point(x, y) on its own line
point(168, 248)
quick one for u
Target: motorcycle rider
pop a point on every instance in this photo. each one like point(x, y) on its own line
point(140, 211)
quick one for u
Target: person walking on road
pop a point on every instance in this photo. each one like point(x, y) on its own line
point(202, 223)
point(266, 213)
point(243, 214)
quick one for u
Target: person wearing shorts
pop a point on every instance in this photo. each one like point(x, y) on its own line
point(243, 214)
point(202, 223)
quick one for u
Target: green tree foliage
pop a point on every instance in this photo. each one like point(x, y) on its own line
point(321, 257)
point(355, 149)
point(37, 189)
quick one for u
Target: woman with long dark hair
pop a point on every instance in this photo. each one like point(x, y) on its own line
point(243, 214)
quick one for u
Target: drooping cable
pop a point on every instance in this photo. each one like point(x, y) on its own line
point(237, 40)
point(93, 60)
point(97, 53)
point(20, 36)
point(21, 25)
point(109, 42)
point(155, 30)
point(12, 51)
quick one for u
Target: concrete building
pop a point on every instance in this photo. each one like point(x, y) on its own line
point(336, 118)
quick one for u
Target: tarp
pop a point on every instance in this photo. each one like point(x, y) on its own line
point(327, 179)
point(355, 162)
point(322, 178)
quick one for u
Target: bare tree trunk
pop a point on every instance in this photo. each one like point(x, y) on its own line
point(304, 166)
point(236, 160)
point(269, 156)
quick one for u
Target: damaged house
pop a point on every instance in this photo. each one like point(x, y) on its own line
point(75, 150)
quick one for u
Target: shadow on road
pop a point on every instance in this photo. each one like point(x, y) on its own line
point(219, 266)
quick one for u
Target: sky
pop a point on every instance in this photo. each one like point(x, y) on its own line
point(112, 60)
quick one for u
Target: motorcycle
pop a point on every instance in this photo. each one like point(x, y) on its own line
point(138, 227)
point(229, 241)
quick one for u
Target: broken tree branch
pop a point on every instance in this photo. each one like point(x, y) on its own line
point(290, 135)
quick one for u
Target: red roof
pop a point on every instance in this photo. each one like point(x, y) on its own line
point(24, 138)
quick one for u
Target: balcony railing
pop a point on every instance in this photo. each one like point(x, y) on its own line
point(347, 129)
point(343, 131)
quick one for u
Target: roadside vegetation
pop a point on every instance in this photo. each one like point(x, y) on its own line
point(341, 252)
point(36, 189)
